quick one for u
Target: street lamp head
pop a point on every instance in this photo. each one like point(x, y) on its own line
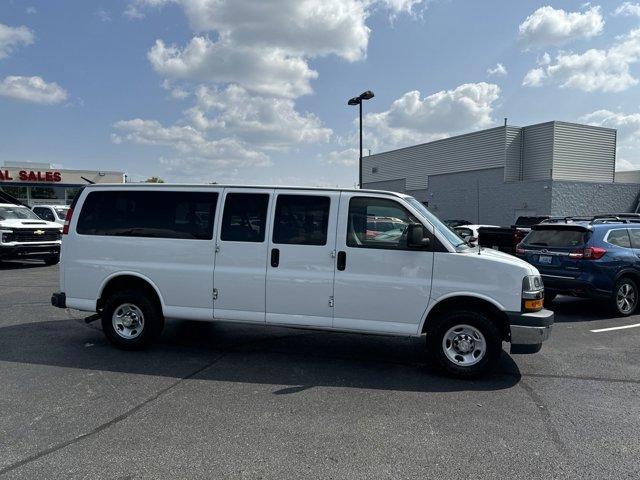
point(354, 101)
point(368, 95)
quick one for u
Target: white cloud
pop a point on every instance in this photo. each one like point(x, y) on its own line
point(136, 8)
point(264, 71)
point(31, 10)
point(628, 9)
point(32, 89)
point(190, 143)
point(177, 92)
point(550, 26)
point(103, 15)
point(246, 64)
point(268, 122)
point(498, 71)
point(12, 37)
point(346, 158)
point(593, 70)
point(412, 119)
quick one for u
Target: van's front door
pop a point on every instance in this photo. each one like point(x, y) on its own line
point(241, 255)
point(300, 267)
point(381, 285)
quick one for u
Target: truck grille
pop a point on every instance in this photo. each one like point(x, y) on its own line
point(49, 235)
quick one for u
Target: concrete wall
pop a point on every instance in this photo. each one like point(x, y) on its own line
point(588, 198)
point(399, 185)
point(481, 196)
point(628, 176)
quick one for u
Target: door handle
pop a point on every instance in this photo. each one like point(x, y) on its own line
point(275, 257)
point(342, 260)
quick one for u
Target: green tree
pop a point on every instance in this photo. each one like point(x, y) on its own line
point(154, 180)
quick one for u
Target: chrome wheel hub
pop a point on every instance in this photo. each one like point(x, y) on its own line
point(128, 321)
point(464, 345)
point(626, 298)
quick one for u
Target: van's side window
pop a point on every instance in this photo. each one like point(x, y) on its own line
point(378, 223)
point(301, 220)
point(154, 214)
point(245, 217)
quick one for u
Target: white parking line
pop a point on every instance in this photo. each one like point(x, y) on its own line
point(615, 328)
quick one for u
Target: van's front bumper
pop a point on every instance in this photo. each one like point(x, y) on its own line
point(529, 330)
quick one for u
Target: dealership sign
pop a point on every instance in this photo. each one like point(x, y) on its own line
point(31, 176)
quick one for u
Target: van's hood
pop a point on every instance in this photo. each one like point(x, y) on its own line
point(490, 254)
point(15, 223)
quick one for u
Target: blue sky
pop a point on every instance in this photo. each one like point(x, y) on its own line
point(252, 91)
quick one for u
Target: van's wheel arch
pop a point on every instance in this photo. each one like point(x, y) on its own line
point(131, 319)
point(464, 343)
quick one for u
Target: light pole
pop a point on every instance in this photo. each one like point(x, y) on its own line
point(368, 95)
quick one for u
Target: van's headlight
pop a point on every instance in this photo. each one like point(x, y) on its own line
point(532, 293)
point(7, 236)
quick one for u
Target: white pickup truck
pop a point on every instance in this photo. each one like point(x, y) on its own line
point(298, 257)
point(24, 235)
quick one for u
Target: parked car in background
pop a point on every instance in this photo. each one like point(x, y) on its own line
point(469, 233)
point(505, 239)
point(24, 235)
point(456, 223)
point(300, 257)
point(51, 213)
point(594, 258)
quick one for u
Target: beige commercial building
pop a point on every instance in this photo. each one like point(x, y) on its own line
point(41, 183)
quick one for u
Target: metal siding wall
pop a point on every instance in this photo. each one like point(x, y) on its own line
point(513, 154)
point(583, 153)
point(397, 185)
point(473, 151)
point(537, 159)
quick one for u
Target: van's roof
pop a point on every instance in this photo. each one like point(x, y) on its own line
point(221, 185)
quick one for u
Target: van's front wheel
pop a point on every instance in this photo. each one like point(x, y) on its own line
point(130, 320)
point(464, 343)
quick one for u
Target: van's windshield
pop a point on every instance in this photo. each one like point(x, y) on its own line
point(449, 234)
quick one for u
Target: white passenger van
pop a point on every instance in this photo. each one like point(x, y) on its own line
point(297, 257)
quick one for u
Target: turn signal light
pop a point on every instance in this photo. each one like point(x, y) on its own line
point(589, 253)
point(533, 305)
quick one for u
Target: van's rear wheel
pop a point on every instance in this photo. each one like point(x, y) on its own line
point(464, 343)
point(130, 320)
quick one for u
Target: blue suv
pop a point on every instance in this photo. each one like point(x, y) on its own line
point(598, 257)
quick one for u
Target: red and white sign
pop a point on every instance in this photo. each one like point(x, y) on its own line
point(31, 176)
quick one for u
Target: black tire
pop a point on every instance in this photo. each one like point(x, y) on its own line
point(549, 297)
point(52, 260)
point(625, 309)
point(479, 321)
point(153, 321)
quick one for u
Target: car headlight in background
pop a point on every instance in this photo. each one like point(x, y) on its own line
point(7, 236)
point(532, 293)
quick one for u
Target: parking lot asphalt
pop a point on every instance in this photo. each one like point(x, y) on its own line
point(235, 401)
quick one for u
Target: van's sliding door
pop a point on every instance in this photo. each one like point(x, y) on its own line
point(300, 266)
point(241, 255)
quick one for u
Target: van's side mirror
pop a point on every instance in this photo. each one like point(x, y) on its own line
point(417, 236)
